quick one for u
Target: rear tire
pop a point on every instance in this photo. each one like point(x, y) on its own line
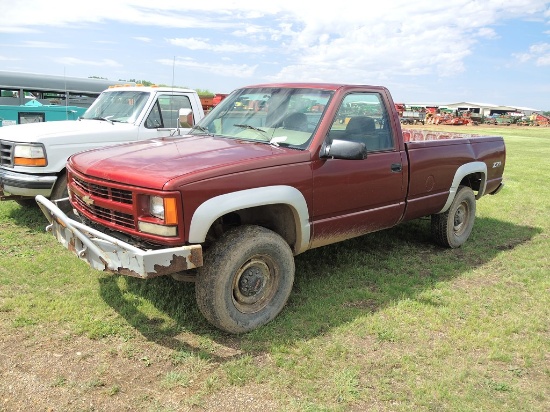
point(453, 227)
point(246, 279)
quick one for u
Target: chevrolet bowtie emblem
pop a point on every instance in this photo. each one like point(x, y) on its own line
point(88, 200)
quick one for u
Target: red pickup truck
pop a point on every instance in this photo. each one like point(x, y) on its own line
point(272, 171)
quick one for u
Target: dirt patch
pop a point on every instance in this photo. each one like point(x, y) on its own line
point(73, 373)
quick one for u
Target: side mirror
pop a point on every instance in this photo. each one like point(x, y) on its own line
point(344, 149)
point(186, 118)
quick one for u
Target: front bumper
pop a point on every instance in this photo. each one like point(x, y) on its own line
point(22, 184)
point(106, 253)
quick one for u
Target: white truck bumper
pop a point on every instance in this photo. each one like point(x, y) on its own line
point(106, 253)
point(26, 185)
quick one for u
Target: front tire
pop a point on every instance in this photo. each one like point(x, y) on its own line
point(453, 227)
point(61, 191)
point(246, 279)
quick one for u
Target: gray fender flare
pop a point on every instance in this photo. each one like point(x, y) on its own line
point(461, 173)
point(212, 209)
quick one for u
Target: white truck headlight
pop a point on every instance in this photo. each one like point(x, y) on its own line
point(29, 155)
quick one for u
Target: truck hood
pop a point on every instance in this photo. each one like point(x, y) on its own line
point(169, 162)
point(64, 131)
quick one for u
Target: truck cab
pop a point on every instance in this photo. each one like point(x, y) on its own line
point(33, 156)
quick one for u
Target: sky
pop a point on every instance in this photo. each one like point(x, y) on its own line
point(423, 51)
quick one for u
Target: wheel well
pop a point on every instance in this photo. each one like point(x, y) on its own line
point(473, 180)
point(279, 218)
point(59, 189)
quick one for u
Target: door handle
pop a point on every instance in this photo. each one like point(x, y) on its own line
point(396, 167)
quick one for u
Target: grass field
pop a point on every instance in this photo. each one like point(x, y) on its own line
point(386, 322)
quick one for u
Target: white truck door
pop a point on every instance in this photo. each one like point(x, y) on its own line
point(164, 116)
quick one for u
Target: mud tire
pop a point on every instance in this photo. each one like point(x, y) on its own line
point(453, 227)
point(246, 279)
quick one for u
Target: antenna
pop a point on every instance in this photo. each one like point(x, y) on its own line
point(173, 71)
point(66, 95)
point(177, 131)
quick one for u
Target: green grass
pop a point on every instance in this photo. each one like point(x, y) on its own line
point(386, 322)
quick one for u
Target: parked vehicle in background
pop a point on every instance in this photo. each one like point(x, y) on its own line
point(410, 114)
point(36, 112)
point(32, 98)
point(254, 184)
point(535, 119)
point(211, 101)
point(33, 156)
point(413, 117)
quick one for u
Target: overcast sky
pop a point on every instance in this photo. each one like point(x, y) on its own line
point(424, 51)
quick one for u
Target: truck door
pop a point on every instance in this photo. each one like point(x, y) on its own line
point(165, 115)
point(354, 197)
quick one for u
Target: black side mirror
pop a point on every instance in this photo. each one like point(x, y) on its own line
point(344, 149)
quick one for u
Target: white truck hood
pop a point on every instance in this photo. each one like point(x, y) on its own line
point(63, 138)
point(70, 132)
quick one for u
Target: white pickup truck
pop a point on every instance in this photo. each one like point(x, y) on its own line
point(33, 156)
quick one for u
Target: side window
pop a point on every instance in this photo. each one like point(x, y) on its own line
point(362, 117)
point(154, 120)
point(165, 113)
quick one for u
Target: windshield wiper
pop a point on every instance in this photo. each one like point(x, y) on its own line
point(202, 129)
point(103, 119)
point(257, 129)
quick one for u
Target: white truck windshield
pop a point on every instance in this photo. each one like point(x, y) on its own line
point(117, 106)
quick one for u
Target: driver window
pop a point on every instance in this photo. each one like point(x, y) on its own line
point(165, 112)
point(362, 117)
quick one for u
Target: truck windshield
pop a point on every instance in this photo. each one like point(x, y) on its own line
point(117, 106)
point(281, 116)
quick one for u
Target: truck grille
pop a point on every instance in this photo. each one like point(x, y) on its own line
point(105, 192)
point(106, 203)
point(6, 153)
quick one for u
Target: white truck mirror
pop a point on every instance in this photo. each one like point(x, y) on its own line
point(186, 118)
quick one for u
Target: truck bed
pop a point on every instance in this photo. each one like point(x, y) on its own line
point(418, 135)
point(435, 156)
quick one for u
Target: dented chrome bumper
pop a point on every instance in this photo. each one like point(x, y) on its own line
point(104, 252)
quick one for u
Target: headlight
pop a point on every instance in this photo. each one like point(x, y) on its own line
point(156, 207)
point(165, 210)
point(29, 155)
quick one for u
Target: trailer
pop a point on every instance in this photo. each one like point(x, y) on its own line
point(413, 117)
point(34, 112)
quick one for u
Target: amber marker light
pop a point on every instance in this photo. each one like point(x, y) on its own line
point(23, 161)
point(170, 211)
